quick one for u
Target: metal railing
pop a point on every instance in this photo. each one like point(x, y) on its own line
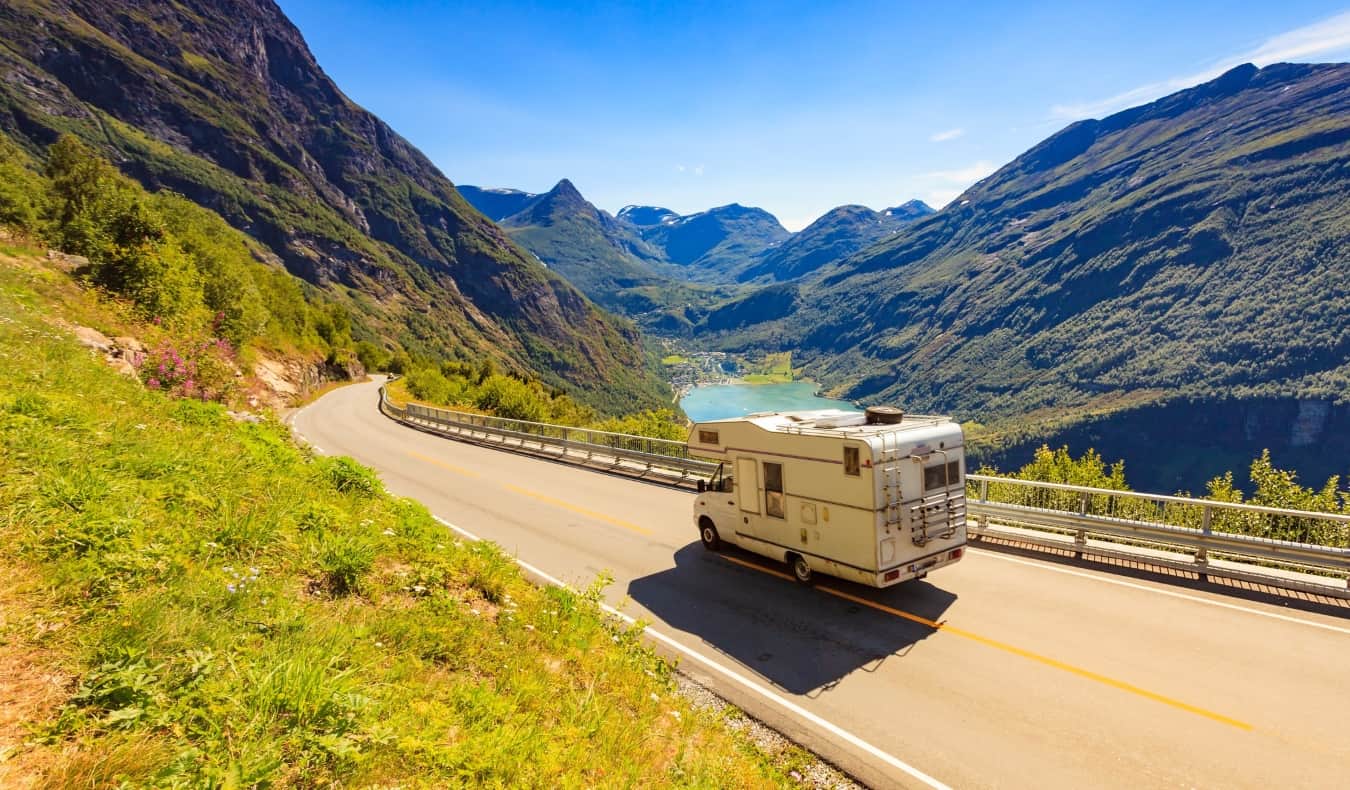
point(637, 455)
point(1204, 536)
point(1264, 545)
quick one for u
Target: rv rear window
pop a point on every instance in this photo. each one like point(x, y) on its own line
point(851, 461)
point(707, 437)
point(940, 476)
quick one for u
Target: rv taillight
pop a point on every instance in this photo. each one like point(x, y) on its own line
point(955, 555)
point(892, 575)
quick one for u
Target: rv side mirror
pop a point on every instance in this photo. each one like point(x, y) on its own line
point(702, 486)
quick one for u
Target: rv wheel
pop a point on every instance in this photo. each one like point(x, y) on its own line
point(708, 534)
point(800, 569)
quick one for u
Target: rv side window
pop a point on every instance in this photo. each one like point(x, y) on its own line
point(851, 461)
point(940, 476)
point(773, 489)
point(707, 437)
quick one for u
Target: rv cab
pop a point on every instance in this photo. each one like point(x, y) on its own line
point(875, 497)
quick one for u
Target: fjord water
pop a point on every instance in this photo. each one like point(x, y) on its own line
point(720, 401)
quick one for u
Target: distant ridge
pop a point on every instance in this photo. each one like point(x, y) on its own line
point(839, 233)
point(646, 216)
point(496, 204)
point(909, 211)
point(597, 253)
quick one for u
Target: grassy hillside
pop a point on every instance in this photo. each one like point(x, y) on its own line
point(187, 600)
point(224, 103)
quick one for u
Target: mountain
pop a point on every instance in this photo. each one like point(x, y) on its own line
point(496, 204)
point(222, 101)
point(603, 256)
point(909, 211)
point(836, 235)
point(646, 216)
point(717, 244)
point(593, 250)
point(1190, 252)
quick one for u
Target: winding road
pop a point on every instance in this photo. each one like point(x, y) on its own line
point(1009, 669)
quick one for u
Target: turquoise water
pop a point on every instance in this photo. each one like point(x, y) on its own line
point(720, 401)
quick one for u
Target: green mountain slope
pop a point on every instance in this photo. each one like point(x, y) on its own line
point(838, 234)
point(1192, 248)
point(223, 102)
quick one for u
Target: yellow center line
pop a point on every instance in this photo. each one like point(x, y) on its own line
point(598, 516)
point(1007, 648)
point(443, 464)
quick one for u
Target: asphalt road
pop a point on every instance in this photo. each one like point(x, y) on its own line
point(1005, 670)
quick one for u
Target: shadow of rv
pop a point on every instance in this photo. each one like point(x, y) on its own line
point(801, 639)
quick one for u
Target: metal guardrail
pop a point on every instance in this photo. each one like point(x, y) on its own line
point(636, 455)
point(1217, 536)
point(1210, 538)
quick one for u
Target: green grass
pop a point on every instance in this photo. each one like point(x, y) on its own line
point(777, 369)
point(222, 609)
point(673, 359)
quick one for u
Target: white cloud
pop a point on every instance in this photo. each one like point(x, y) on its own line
point(937, 198)
point(1321, 38)
point(950, 134)
point(698, 171)
point(962, 175)
point(940, 187)
point(679, 168)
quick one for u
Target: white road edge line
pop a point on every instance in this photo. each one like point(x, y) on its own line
point(740, 679)
point(1096, 577)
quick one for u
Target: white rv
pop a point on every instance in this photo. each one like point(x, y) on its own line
point(875, 497)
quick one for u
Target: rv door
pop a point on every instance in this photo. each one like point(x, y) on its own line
point(747, 480)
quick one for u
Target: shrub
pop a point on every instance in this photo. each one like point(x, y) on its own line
point(343, 560)
point(371, 356)
point(428, 384)
point(204, 370)
point(350, 477)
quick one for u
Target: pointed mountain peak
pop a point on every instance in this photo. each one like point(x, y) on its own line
point(565, 188)
point(564, 193)
point(562, 203)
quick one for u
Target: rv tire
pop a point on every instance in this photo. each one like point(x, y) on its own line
point(801, 569)
point(707, 533)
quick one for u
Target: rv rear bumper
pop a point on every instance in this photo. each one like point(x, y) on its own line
point(916, 568)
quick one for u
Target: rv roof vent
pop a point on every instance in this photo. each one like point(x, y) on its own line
point(884, 415)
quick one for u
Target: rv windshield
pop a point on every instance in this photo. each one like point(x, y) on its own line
point(720, 482)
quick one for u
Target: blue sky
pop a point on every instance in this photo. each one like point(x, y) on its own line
point(796, 108)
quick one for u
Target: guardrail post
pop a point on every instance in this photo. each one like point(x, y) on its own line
point(984, 490)
point(1202, 553)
